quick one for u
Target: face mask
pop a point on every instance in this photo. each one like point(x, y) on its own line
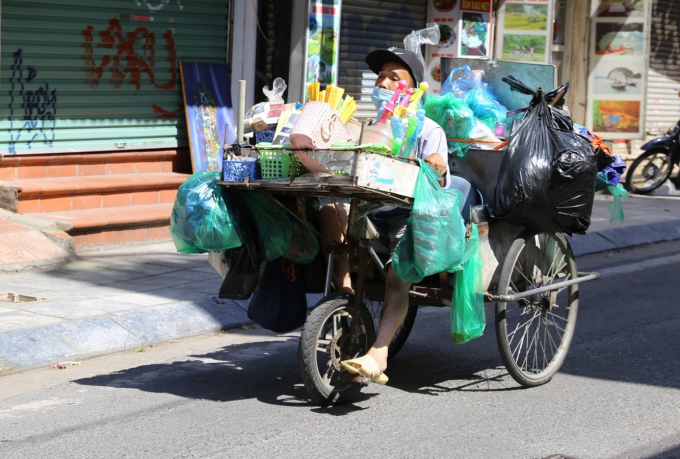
point(381, 96)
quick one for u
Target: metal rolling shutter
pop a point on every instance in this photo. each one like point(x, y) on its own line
point(92, 76)
point(663, 77)
point(368, 25)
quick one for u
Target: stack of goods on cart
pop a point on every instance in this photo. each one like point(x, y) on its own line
point(468, 111)
point(549, 172)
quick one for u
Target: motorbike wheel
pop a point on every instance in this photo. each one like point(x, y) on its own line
point(404, 330)
point(325, 342)
point(649, 171)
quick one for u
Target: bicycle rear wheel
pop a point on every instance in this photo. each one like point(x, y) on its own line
point(534, 333)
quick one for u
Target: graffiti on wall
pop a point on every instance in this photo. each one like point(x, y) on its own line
point(133, 55)
point(31, 111)
point(159, 6)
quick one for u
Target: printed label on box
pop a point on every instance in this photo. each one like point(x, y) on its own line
point(381, 173)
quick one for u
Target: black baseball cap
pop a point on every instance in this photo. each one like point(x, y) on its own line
point(376, 59)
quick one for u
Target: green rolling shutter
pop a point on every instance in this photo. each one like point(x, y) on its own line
point(79, 76)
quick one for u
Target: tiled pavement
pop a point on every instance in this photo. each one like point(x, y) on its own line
point(107, 282)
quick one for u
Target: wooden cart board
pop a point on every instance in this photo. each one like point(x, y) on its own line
point(386, 174)
point(354, 174)
point(373, 170)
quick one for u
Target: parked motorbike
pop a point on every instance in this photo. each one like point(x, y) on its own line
point(653, 167)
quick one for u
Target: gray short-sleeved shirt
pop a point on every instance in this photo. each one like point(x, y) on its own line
point(434, 141)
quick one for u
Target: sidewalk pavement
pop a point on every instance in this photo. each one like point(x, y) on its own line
point(128, 298)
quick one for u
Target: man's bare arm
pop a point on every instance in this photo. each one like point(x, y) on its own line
point(435, 160)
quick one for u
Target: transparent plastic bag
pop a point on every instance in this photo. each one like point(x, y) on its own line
point(201, 221)
point(275, 94)
point(430, 35)
point(272, 222)
point(435, 237)
point(468, 317)
point(477, 94)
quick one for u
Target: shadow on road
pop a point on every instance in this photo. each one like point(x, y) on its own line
point(263, 371)
point(630, 338)
point(268, 372)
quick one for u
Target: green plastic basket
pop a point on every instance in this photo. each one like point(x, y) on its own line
point(280, 164)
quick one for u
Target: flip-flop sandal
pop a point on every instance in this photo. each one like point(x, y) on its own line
point(365, 366)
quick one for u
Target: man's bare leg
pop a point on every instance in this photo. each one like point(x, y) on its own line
point(335, 230)
point(394, 313)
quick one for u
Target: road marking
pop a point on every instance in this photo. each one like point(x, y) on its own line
point(633, 267)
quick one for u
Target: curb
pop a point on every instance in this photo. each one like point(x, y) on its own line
point(39, 347)
point(612, 239)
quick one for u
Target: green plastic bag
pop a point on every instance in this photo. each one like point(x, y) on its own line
point(454, 116)
point(304, 244)
point(468, 317)
point(616, 206)
point(619, 195)
point(272, 221)
point(435, 236)
point(402, 259)
point(200, 221)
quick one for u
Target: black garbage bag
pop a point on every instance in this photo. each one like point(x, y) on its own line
point(247, 263)
point(547, 174)
point(517, 86)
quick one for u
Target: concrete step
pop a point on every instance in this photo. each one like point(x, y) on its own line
point(115, 225)
point(92, 192)
point(88, 164)
point(109, 198)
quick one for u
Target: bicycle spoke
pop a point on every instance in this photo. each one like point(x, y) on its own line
point(522, 341)
point(530, 284)
point(557, 326)
point(558, 317)
point(524, 325)
point(553, 345)
point(533, 342)
point(507, 311)
point(545, 358)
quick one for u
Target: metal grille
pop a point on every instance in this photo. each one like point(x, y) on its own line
point(368, 25)
point(92, 76)
point(663, 78)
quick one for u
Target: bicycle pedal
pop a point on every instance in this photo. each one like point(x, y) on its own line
point(358, 379)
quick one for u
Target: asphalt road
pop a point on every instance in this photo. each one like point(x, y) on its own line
point(239, 394)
